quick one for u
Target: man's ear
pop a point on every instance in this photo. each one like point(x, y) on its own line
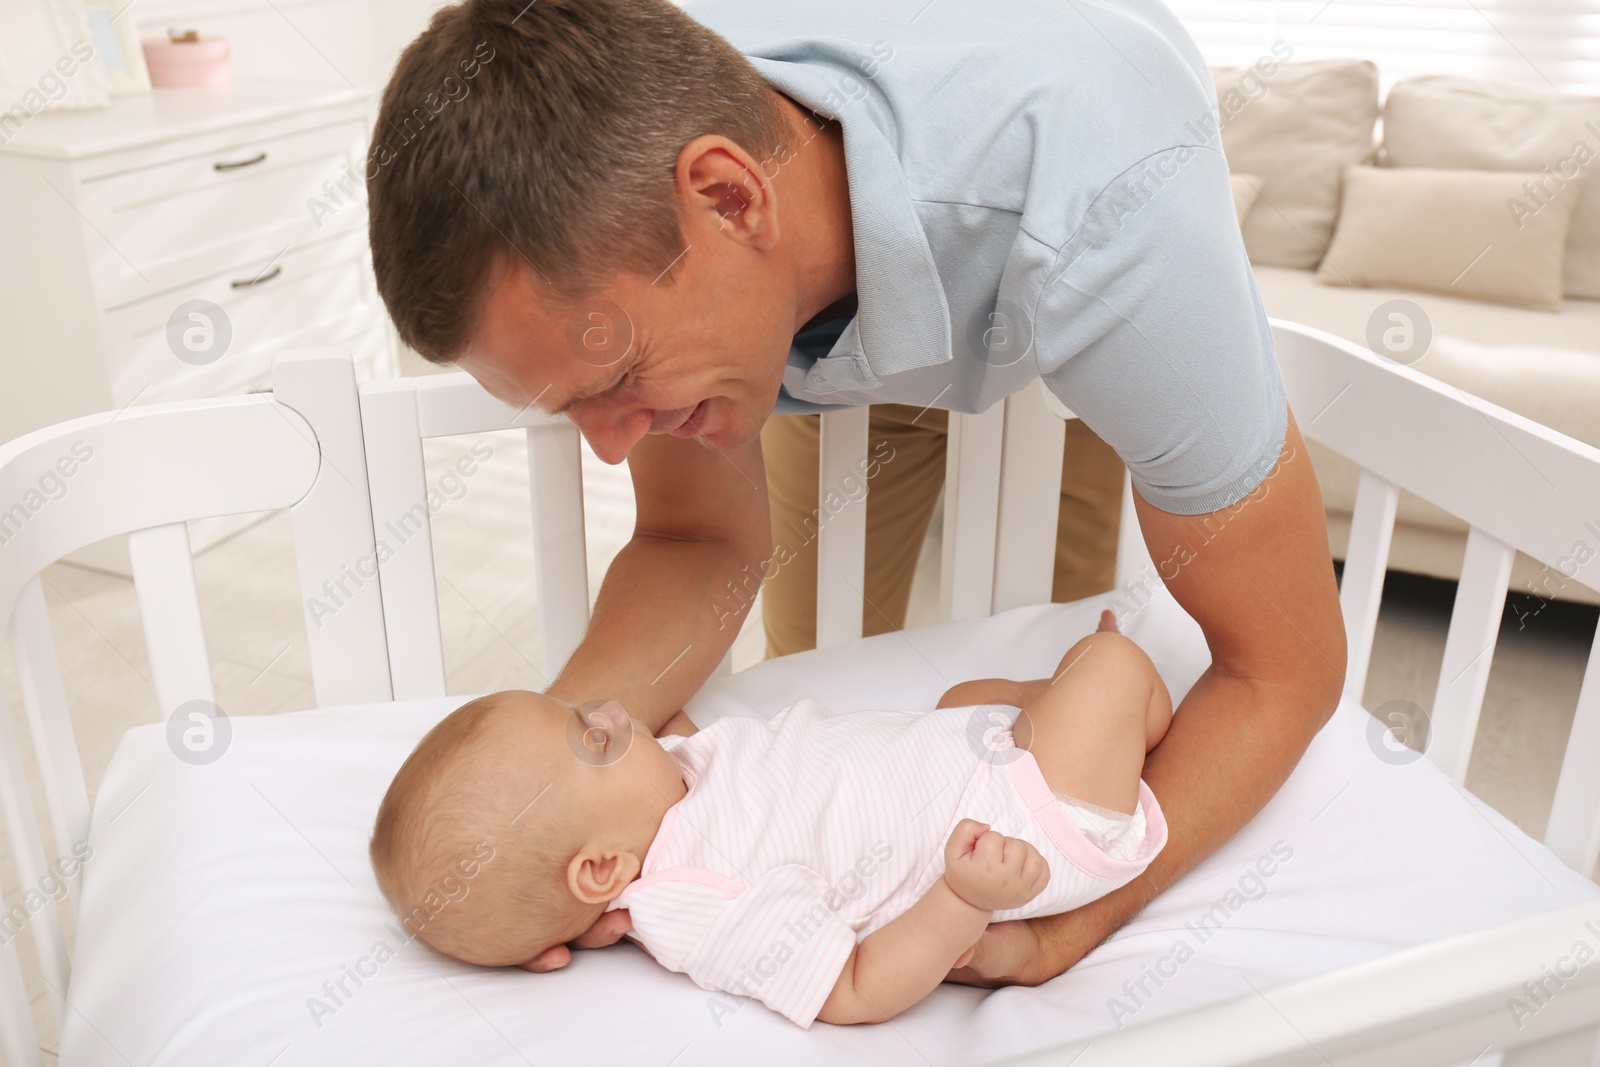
point(715, 173)
point(597, 875)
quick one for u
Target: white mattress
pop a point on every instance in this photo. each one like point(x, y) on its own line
point(220, 899)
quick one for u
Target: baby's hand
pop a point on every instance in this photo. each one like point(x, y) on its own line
point(991, 871)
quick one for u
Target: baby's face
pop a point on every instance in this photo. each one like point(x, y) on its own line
point(565, 801)
point(608, 760)
point(596, 761)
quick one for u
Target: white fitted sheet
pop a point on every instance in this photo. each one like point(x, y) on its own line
point(220, 899)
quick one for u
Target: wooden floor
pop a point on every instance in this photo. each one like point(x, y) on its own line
point(485, 578)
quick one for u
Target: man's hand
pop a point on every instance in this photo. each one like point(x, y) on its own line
point(1000, 957)
point(1258, 579)
point(990, 871)
point(665, 614)
point(607, 930)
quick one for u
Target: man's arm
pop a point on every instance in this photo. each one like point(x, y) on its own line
point(665, 614)
point(1259, 581)
point(674, 598)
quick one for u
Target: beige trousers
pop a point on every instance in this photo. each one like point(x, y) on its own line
point(900, 501)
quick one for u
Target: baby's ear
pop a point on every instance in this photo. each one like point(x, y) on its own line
point(598, 877)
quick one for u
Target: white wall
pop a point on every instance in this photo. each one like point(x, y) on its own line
point(1543, 44)
point(334, 41)
point(1551, 43)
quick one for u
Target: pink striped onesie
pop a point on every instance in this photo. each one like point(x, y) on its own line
point(801, 835)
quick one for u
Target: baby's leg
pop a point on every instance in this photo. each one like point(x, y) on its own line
point(1090, 727)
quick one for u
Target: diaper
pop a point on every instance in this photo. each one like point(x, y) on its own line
point(1117, 834)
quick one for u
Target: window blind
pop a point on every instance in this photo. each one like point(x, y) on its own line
point(1544, 43)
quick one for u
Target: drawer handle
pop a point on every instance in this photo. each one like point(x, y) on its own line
point(259, 279)
point(239, 164)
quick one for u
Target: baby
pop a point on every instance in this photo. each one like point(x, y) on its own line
point(834, 867)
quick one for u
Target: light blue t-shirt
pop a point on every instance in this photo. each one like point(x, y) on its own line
point(1037, 189)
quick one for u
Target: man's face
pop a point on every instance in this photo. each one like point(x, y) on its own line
point(697, 353)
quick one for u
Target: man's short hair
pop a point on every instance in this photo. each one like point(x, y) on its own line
point(545, 133)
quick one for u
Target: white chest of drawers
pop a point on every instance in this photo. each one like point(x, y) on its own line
point(247, 198)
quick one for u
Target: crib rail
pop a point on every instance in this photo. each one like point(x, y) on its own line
point(1378, 1014)
point(144, 471)
point(1520, 486)
point(346, 461)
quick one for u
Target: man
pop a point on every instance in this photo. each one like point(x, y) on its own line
point(619, 216)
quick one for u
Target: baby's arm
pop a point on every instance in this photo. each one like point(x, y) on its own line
point(904, 961)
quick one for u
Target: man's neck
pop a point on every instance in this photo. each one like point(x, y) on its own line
point(845, 305)
point(816, 196)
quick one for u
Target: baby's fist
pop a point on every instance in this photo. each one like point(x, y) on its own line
point(991, 871)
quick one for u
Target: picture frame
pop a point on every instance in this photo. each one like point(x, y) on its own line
point(48, 60)
point(116, 39)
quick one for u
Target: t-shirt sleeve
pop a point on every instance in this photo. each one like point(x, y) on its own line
point(778, 942)
point(1149, 327)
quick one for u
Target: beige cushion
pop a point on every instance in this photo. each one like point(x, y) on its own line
point(1557, 387)
point(1296, 126)
point(1449, 122)
point(1246, 190)
point(1449, 231)
point(1296, 295)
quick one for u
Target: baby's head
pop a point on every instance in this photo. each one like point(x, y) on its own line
point(516, 820)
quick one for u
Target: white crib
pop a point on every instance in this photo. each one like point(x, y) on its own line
point(347, 461)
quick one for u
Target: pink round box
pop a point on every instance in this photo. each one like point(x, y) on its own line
point(188, 64)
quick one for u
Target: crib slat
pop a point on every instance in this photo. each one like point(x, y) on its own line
point(169, 607)
point(55, 746)
point(1029, 502)
point(22, 828)
point(1573, 832)
point(971, 499)
point(561, 572)
point(19, 1041)
point(1366, 558)
point(842, 532)
point(1135, 569)
point(1468, 650)
point(333, 539)
point(398, 482)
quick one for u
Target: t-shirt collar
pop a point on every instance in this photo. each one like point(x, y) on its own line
point(903, 320)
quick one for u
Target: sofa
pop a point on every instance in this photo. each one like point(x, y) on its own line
point(1362, 220)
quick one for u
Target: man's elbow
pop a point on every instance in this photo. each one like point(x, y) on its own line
point(1321, 702)
point(1331, 675)
point(1320, 682)
point(1307, 687)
